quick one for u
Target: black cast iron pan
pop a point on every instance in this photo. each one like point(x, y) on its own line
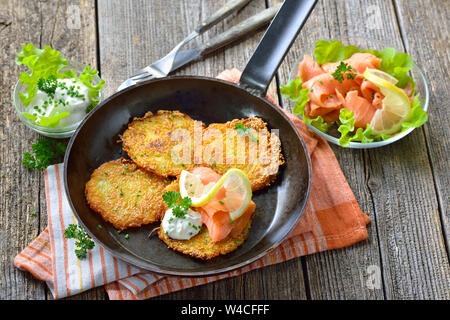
point(278, 207)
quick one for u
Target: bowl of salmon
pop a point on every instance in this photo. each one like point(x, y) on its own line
point(358, 96)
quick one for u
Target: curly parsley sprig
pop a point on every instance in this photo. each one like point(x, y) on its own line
point(343, 69)
point(82, 241)
point(179, 208)
point(242, 130)
point(45, 152)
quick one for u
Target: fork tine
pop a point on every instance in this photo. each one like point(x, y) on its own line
point(140, 76)
point(145, 77)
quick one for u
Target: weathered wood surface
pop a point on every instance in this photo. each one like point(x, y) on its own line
point(43, 23)
point(403, 187)
point(429, 42)
point(393, 185)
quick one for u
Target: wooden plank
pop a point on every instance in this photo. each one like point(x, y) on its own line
point(43, 23)
point(427, 38)
point(337, 274)
point(258, 284)
point(133, 34)
point(393, 185)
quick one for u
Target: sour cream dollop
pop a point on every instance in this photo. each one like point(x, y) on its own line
point(182, 228)
point(70, 96)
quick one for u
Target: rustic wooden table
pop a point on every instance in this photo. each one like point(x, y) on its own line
point(404, 187)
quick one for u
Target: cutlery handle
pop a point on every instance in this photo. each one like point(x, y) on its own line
point(239, 30)
point(220, 14)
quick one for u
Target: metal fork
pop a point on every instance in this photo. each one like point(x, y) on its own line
point(163, 66)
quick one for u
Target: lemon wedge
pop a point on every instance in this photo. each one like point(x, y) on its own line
point(396, 104)
point(381, 74)
point(238, 191)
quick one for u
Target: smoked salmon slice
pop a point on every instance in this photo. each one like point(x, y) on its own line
point(309, 68)
point(215, 214)
point(219, 223)
point(328, 96)
point(323, 97)
point(362, 109)
point(358, 61)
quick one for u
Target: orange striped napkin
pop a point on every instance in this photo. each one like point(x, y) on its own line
point(332, 220)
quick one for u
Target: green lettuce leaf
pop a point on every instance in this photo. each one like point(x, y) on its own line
point(397, 65)
point(42, 63)
point(347, 126)
point(292, 89)
point(318, 123)
point(333, 51)
point(51, 121)
point(86, 77)
point(294, 92)
point(417, 116)
point(348, 134)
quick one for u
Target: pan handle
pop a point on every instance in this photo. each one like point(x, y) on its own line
point(274, 45)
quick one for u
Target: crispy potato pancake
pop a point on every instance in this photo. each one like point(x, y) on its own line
point(156, 142)
point(245, 144)
point(125, 195)
point(201, 245)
